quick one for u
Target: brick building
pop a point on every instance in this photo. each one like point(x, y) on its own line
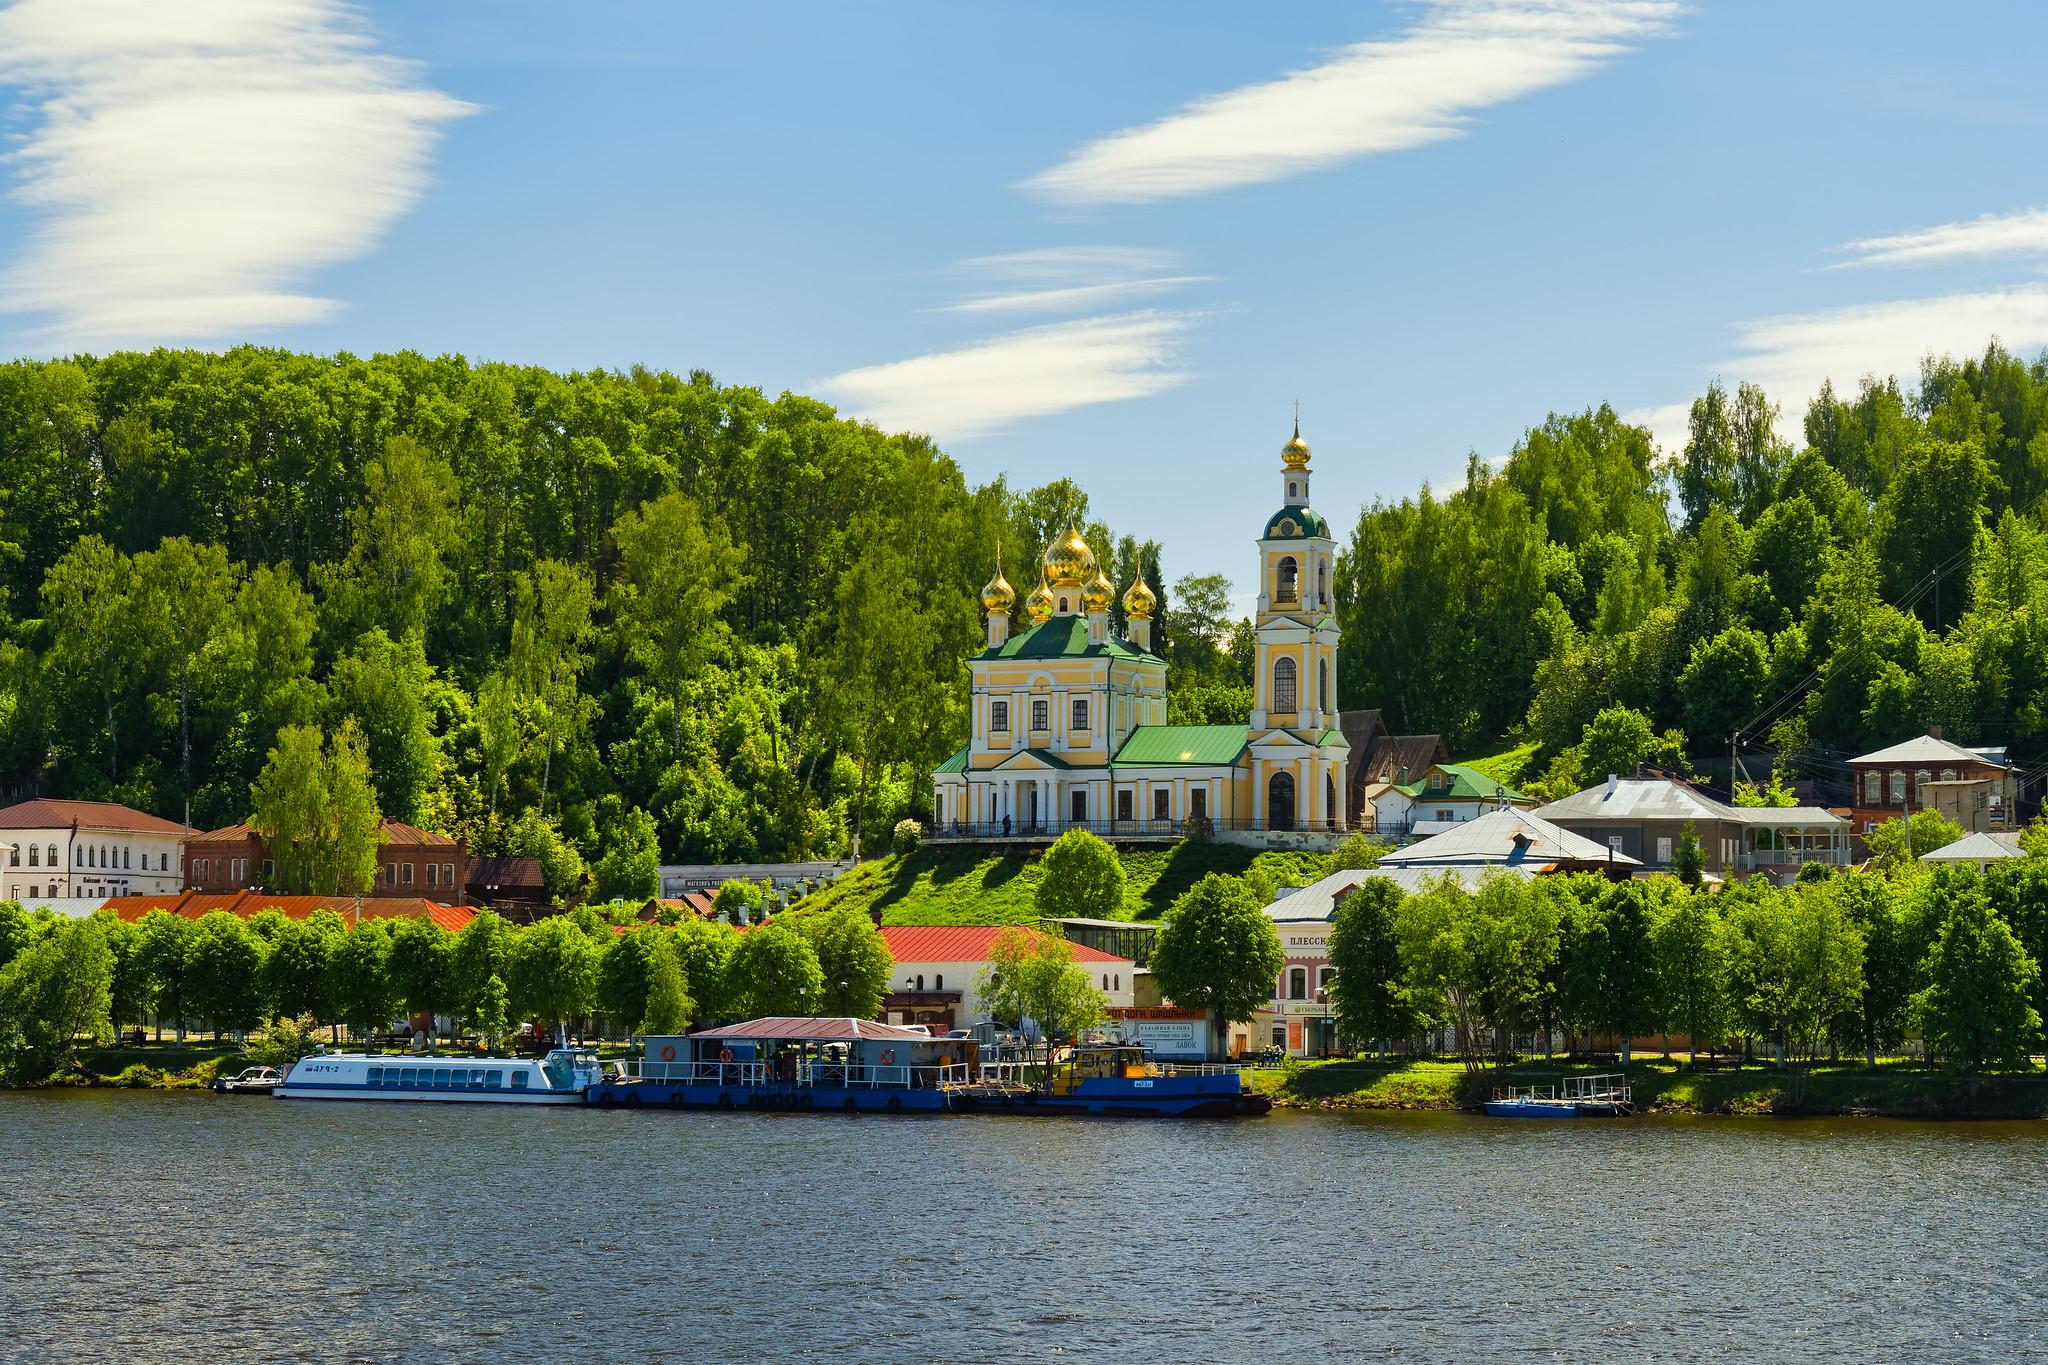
point(410, 862)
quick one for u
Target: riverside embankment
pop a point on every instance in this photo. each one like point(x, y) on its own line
point(1892, 1090)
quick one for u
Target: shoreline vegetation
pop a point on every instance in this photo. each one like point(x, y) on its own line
point(1895, 1089)
point(1846, 1089)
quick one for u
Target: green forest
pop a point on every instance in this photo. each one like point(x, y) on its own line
point(1806, 586)
point(613, 618)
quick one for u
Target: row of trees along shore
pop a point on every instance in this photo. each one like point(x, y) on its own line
point(612, 619)
point(63, 981)
point(1847, 962)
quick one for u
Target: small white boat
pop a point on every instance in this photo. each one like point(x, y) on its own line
point(560, 1077)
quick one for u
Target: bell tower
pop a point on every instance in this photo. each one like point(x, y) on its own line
point(1295, 627)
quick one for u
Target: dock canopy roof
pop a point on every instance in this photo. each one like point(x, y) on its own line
point(801, 1026)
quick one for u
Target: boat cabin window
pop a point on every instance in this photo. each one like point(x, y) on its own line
point(519, 1080)
point(376, 1075)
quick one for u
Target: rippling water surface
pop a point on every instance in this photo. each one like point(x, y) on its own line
point(142, 1226)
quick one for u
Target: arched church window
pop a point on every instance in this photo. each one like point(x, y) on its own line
point(1289, 572)
point(1283, 684)
point(1323, 683)
point(1322, 585)
point(1280, 801)
point(1063, 604)
point(1293, 489)
point(1330, 811)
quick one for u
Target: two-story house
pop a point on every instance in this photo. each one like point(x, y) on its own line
point(1976, 788)
point(410, 862)
point(89, 848)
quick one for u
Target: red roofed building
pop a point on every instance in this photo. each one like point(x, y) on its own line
point(939, 969)
point(248, 904)
point(410, 862)
point(89, 848)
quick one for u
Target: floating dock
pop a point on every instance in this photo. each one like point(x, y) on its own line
point(1608, 1096)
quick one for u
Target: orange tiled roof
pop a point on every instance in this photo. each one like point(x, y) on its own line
point(44, 814)
point(194, 904)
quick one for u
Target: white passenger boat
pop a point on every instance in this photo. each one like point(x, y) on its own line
point(560, 1077)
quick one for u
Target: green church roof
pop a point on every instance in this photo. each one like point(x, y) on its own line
point(1063, 637)
point(1157, 746)
point(1307, 522)
point(956, 764)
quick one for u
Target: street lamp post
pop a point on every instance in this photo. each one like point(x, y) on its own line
point(1323, 999)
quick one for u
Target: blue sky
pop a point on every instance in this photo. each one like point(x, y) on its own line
point(1111, 242)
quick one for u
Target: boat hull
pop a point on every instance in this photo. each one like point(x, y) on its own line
point(385, 1095)
point(633, 1094)
point(1529, 1109)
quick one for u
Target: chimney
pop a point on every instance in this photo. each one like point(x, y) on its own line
point(1612, 782)
point(1934, 731)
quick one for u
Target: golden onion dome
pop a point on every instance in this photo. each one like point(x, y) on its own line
point(1139, 603)
point(1038, 606)
point(1295, 453)
point(997, 596)
point(1068, 560)
point(1099, 593)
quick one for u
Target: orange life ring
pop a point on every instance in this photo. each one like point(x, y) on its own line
point(668, 1052)
point(725, 1054)
point(888, 1056)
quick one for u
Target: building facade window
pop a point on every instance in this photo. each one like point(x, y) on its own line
point(939, 981)
point(999, 715)
point(447, 874)
point(1920, 781)
point(1898, 788)
point(1041, 714)
point(1080, 713)
point(1614, 842)
point(1283, 684)
point(14, 855)
point(1948, 774)
point(405, 874)
point(1873, 788)
point(434, 872)
point(1287, 578)
point(32, 856)
point(1198, 803)
point(1663, 848)
point(1323, 683)
point(1297, 983)
point(1324, 976)
point(1123, 805)
point(1160, 799)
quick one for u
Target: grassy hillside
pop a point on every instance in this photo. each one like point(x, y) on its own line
point(973, 886)
point(1512, 766)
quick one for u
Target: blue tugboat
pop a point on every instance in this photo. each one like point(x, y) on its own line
point(1124, 1081)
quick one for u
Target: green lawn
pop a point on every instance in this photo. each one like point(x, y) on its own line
point(952, 885)
point(1894, 1090)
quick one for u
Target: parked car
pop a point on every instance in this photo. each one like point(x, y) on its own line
point(255, 1080)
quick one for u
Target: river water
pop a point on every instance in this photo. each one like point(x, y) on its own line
point(148, 1226)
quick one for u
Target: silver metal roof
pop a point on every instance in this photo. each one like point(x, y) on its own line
point(1796, 817)
point(1505, 837)
point(1926, 749)
point(1633, 799)
point(1974, 848)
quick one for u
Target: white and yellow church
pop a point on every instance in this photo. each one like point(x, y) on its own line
point(1069, 718)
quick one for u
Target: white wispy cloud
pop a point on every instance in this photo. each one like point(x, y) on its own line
point(193, 160)
point(1995, 234)
point(1385, 95)
point(989, 384)
point(1793, 354)
point(1070, 279)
